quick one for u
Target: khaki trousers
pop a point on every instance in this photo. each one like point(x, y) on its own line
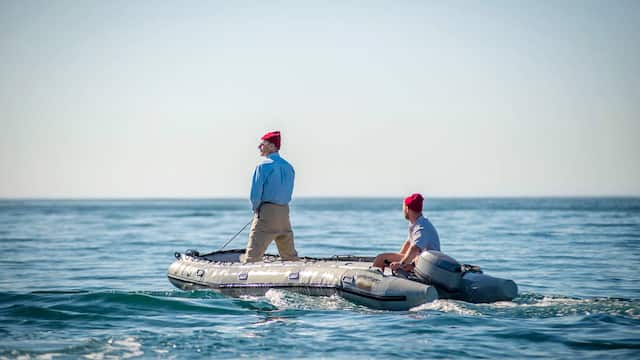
point(272, 223)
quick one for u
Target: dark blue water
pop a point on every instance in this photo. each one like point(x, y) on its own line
point(88, 279)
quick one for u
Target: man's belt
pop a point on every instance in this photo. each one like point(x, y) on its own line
point(269, 202)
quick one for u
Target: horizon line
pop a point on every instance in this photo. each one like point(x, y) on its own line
point(310, 197)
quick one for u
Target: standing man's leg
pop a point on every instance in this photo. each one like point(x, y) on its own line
point(284, 238)
point(286, 248)
point(259, 240)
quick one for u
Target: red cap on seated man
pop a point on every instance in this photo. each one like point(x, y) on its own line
point(414, 202)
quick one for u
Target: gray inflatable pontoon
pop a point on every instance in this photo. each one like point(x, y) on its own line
point(351, 277)
point(347, 276)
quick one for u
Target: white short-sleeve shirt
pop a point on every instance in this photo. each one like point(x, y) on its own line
point(424, 235)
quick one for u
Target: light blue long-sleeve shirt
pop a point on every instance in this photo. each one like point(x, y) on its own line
point(272, 181)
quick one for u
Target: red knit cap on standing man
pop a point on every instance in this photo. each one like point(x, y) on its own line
point(272, 137)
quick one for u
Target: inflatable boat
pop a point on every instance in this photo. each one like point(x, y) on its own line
point(352, 277)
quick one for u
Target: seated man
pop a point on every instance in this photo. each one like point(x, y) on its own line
point(422, 236)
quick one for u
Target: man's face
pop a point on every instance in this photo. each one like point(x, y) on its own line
point(265, 147)
point(405, 211)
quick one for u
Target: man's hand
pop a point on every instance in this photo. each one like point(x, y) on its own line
point(398, 265)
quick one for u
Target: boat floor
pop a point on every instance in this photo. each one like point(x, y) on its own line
point(233, 256)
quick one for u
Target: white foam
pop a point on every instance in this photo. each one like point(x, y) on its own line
point(287, 299)
point(554, 301)
point(632, 314)
point(126, 348)
point(562, 306)
point(335, 302)
point(131, 347)
point(276, 298)
point(47, 356)
point(446, 306)
point(94, 356)
point(18, 357)
point(504, 304)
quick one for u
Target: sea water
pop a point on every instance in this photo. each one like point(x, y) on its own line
point(87, 279)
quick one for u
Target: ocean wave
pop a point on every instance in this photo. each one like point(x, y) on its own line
point(535, 306)
point(112, 305)
point(124, 347)
point(195, 214)
point(544, 306)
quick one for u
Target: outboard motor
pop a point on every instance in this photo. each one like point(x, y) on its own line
point(439, 269)
point(460, 281)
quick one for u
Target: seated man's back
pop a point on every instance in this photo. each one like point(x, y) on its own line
point(424, 234)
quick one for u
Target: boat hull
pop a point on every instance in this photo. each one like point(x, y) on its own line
point(349, 277)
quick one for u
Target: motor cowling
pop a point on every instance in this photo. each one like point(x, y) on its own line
point(482, 288)
point(462, 282)
point(439, 269)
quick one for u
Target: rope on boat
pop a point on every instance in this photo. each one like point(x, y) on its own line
point(236, 235)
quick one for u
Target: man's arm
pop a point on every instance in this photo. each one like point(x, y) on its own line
point(405, 246)
point(407, 258)
point(257, 184)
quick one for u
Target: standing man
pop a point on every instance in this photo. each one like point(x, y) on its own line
point(422, 236)
point(271, 190)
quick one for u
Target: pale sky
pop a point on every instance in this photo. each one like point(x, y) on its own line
point(373, 98)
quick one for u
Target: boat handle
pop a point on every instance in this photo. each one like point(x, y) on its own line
point(294, 276)
point(243, 276)
point(200, 272)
